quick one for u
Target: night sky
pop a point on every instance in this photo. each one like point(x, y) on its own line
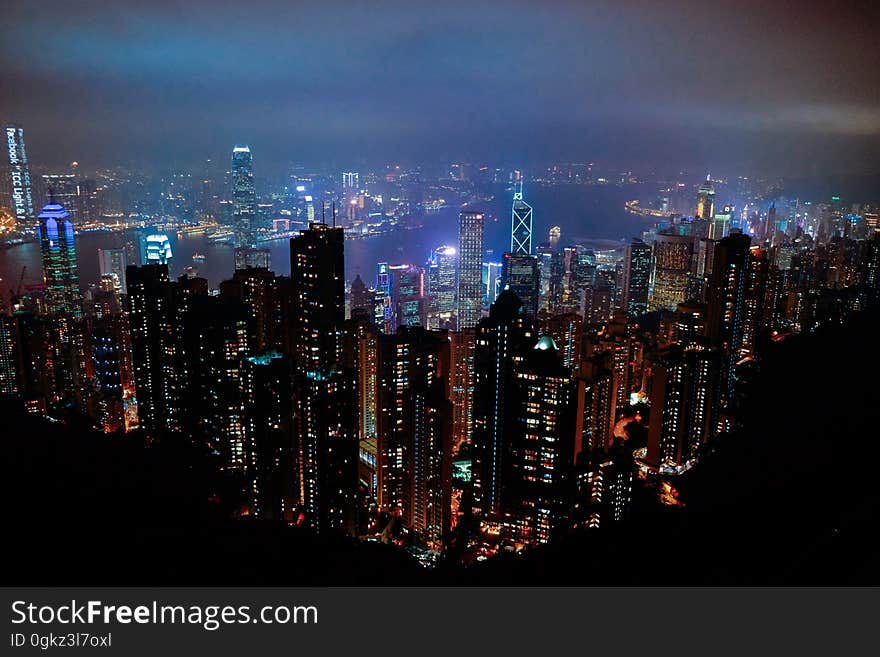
point(791, 88)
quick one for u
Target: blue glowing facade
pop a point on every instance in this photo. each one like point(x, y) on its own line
point(58, 253)
point(520, 223)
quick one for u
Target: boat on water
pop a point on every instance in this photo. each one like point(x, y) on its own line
point(199, 258)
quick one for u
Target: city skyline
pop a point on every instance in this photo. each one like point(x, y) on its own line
point(496, 359)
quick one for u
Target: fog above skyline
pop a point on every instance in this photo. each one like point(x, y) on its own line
point(788, 89)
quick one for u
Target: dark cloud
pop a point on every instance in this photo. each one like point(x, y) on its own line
point(785, 85)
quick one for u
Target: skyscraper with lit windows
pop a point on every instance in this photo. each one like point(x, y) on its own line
point(470, 268)
point(670, 270)
point(441, 286)
point(244, 204)
point(706, 200)
point(58, 252)
point(636, 277)
point(520, 275)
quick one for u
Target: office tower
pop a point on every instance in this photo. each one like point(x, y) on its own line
point(362, 300)
point(64, 305)
point(520, 276)
point(267, 421)
point(350, 180)
point(461, 375)
point(720, 224)
point(325, 392)
point(570, 294)
point(113, 262)
point(701, 269)
point(502, 339)
point(470, 268)
point(726, 295)
point(153, 347)
point(596, 302)
point(244, 204)
point(441, 286)
point(555, 234)
point(555, 282)
point(414, 432)
point(636, 277)
point(520, 223)
point(408, 296)
point(492, 272)
point(384, 309)
point(540, 449)
point(586, 271)
point(682, 398)
point(671, 267)
point(706, 200)
point(21, 192)
point(58, 252)
point(545, 254)
point(155, 249)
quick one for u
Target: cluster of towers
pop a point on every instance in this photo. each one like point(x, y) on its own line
point(354, 421)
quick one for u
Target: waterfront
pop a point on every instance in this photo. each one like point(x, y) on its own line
point(593, 215)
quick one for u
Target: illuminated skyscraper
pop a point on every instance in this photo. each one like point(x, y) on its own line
point(706, 200)
point(244, 204)
point(520, 223)
point(720, 225)
point(470, 268)
point(408, 296)
point(441, 286)
point(21, 193)
point(520, 276)
point(350, 180)
point(636, 277)
point(113, 262)
point(58, 251)
point(671, 269)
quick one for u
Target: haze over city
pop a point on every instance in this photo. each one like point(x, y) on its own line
point(786, 88)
